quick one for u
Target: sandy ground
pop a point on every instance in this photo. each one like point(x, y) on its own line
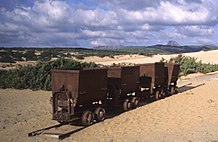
point(23, 111)
point(191, 115)
point(205, 56)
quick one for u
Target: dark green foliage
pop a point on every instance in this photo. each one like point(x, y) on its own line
point(7, 57)
point(30, 55)
point(192, 65)
point(38, 77)
point(46, 55)
point(80, 57)
point(163, 49)
point(11, 55)
point(142, 50)
point(17, 56)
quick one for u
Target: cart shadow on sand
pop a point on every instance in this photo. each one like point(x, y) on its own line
point(187, 87)
point(115, 112)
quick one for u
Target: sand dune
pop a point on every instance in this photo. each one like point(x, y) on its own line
point(191, 115)
point(205, 56)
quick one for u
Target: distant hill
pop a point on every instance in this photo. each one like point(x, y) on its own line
point(11, 55)
point(172, 43)
point(180, 49)
point(170, 48)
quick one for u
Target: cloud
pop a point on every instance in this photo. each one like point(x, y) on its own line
point(41, 24)
point(196, 31)
point(100, 22)
point(171, 14)
point(132, 4)
point(105, 42)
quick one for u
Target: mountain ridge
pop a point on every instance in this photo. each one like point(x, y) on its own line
point(169, 48)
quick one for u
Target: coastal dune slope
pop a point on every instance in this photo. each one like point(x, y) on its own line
point(190, 115)
point(205, 56)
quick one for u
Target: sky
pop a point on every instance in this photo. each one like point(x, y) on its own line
point(91, 23)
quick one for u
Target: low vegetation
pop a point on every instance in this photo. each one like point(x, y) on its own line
point(164, 49)
point(190, 65)
point(37, 77)
point(11, 55)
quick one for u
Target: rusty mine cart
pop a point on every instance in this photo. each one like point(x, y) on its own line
point(152, 80)
point(86, 93)
point(171, 77)
point(123, 86)
point(79, 93)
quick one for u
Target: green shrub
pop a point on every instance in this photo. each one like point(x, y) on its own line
point(30, 55)
point(46, 55)
point(7, 57)
point(37, 77)
point(192, 65)
point(80, 57)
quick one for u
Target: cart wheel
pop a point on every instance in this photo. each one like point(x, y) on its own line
point(127, 105)
point(166, 92)
point(157, 95)
point(87, 118)
point(62, 122)
point(172, 90)
point(135, 102)
point(162, 94)
point(176, 90)
point(100, 113)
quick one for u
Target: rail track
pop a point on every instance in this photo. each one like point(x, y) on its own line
point(59, 131)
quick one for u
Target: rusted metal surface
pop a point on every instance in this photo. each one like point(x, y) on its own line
point(77, 90)
point(123, 79)
point(171, 77)
point(173, 72)
point(79, 94)
point(152, 74)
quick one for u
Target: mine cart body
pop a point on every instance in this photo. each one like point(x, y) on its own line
point(123, 81)
point(173, 72)
point(171, 77)
point(151, 75)
point(77, 90)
